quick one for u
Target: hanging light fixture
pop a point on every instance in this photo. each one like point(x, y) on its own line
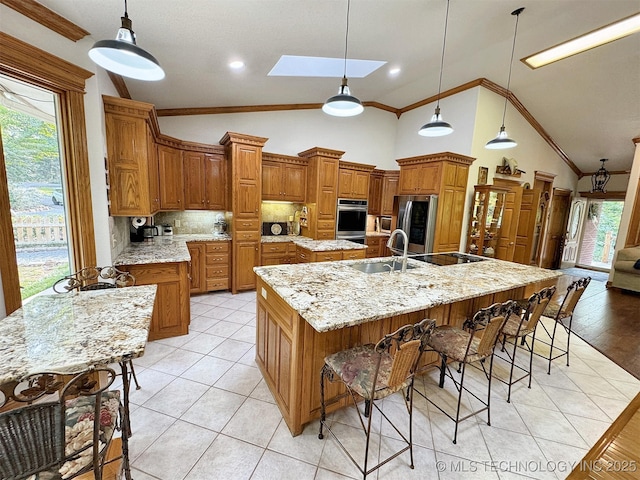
point(344, 104)
point(503, 141)
point(438, 127)
point(124, 57)
point(600, 178)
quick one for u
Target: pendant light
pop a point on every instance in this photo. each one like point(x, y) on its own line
point(438, 127)
point(502, 141)
point(600, 178)
point(124, 57)
point(344, 104)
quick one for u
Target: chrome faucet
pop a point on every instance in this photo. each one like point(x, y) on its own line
point(406, 246)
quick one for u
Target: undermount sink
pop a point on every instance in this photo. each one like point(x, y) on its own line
point(380, 267)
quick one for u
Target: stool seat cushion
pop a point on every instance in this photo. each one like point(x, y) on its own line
point(512, 328)
point(452, 342)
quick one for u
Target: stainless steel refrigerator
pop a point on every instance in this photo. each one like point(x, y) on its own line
point(416, 215)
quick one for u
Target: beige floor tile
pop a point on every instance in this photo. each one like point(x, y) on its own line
point(180, 340)
point(241, 317)
point(576, 403)
point(249, 307)
point(240, 379)
point(153, 352)
point(329, 475)
point(202, 324)
point(177, 397)
point(399, 416)
point(353, 439)
point(628, 389)
point(229, 458)
point(306, 446)
point(450, 467)
point(424, 461)
point(470, 441)
point(140, 475)
point(233, 303)
point(232, 350)
point(561, 458)
point(589, 429)
point(550, 425)
point(213, 299)
point(208, 370)
point(200, 309)
point(176, 451)
point(219, 313)
point(177, 362)
point(214, 409)
point(595, 386)
point(249, 358)
point(203, 343)
point(146, 426)
point(245, 334)
point(275, 466)
point(223, 329)
point(262, 392)
point(151, 382)
point(254, 422)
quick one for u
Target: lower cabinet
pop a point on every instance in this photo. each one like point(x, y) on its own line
point(278, 253)
point(377, 246)
point(172, 312)
point(209, 266)
point(305, 255)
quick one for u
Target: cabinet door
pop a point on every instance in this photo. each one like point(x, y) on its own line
point(429, 179)
point(194, 180)
point(360, 185)
point(216, 182)
point(196, 251)
point(272, 187)
point(409, 178)
point(171, 178)
point(294, 183)
point(154, 173)
point(389, 190)
point(345, 183)
point(247, 256)
point(505, 248)
point(375, 194)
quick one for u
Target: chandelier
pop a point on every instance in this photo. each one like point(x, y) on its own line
point(600, 178)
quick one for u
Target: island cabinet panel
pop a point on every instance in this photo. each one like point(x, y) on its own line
point(171, 178)
point(171, 314)
point(305, 255)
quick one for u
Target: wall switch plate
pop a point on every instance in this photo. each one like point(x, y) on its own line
point(264, 293)
point(176, 223)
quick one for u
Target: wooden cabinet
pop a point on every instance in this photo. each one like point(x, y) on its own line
point(443, 174)
point(244, 158)
point(204, 181)
point(485, 221)
point(322, 192)
point(209, 266)
point(505, 249)
point(278, 253)
point(171, 178)
point(171, 314)
point(353, 181)
point(377, 246)
point(131, 158)
point(529, 217)
point(283, 178)
point(304, 255)
point(383, 186)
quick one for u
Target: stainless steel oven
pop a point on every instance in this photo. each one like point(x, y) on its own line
point(351, 220)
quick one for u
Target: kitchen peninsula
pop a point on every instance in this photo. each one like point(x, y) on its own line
point(307, 311)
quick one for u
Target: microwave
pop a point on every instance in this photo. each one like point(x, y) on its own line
point(384, 224)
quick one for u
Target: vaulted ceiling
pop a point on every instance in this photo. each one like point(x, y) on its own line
point(589, 103)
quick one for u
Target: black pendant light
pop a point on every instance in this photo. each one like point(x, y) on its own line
point(600, 178)
point(124, 57)
point(438, 127)
point(502, 141)
point(344, 104)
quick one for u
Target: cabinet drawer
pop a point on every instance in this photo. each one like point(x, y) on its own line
point(280, 247)
point(354, 254)
point(326, 235)
point(247, 224)
point(217, 247)
point(303, 256)
point(373, 251)
point(326, 224)
point(217, 272)
point(247, 236)
point(328, 256)
point(217, 259)
point(217, 284)
point(154, 273)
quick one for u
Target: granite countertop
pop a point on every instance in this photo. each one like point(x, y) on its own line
point(328, 245)
point(70, 332)
point(333, 295)
point(282, 238)
point(164, 249)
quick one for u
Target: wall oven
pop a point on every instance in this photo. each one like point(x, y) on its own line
point(351, 220)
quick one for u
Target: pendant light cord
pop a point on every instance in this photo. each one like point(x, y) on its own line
point(126, 15)
point(346, 40)
point(517, 13)
point(444, 43)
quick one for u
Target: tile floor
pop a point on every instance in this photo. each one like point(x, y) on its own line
point(204, 412)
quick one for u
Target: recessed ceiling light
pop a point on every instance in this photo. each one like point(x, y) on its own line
point(236, 65)
point(298, 66)
point(394, 71)
point(608, 33)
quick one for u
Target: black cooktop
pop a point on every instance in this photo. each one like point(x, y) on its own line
point(448, 258)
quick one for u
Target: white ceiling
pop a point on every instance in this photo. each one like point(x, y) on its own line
point(589, 103)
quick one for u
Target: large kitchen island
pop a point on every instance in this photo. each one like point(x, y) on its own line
point(307, 311)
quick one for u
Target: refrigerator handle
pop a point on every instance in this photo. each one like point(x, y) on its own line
point(406, 221)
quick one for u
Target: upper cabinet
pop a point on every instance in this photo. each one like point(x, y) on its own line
point(383, 186)
point(131, 158)
point(419, 179)
point(204, 181)
point(354, 180)
point(284, 178)
point(171, 178)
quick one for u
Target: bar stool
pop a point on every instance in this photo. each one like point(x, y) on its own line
point(472, 344)
point(373, 372)
point(563, 316)
point(518, 327)
point(97, 278)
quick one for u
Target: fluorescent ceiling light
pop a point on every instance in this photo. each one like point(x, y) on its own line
point(236, 65)
point(394, 71)
point(298, 66)
point(606, 34)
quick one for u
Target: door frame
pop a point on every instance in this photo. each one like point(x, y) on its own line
point(37, 67)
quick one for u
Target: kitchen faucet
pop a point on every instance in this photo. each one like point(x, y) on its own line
point(406, 246)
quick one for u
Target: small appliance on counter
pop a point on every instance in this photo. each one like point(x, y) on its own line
point(166, 229)
point(220, 225)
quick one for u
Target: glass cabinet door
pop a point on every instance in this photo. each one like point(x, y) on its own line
point(486, 220)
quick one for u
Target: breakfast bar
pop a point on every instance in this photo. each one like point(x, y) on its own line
point(307, 311)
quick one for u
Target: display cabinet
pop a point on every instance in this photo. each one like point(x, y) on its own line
point(485, 221)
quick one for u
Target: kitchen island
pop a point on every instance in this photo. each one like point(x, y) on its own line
point(307, 311)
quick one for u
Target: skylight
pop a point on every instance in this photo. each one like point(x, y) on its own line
point(298, 66)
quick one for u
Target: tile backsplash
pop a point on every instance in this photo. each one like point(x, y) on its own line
point(189, 221)
point(279, 212)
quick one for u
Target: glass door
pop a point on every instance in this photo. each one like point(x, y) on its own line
point(599, 233)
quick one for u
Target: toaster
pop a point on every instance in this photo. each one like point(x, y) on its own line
point(167, 230)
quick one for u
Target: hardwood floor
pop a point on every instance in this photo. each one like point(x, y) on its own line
point(607, 319)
